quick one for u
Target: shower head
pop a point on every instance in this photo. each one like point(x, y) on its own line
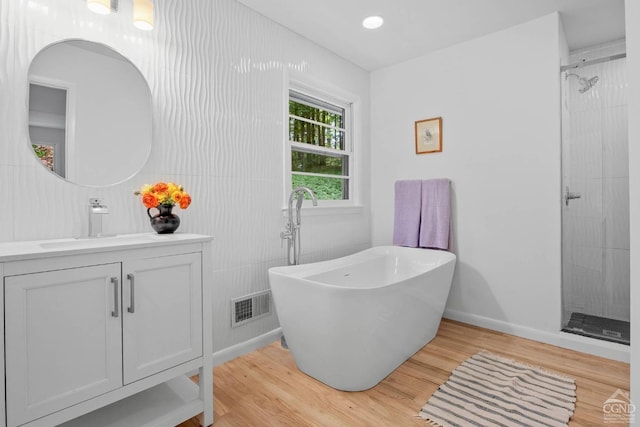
point(584, 82)
point(588, 84)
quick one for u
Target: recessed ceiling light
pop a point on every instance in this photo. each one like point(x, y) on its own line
point(372, 22)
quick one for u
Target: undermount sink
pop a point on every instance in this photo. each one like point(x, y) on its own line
point(80, 243)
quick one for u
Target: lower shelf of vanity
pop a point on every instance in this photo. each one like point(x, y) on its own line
point(166, 404)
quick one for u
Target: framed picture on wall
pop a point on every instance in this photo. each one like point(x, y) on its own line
point(429, 135)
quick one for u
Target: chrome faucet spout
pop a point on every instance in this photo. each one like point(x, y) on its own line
point(96, 211)
point(299, 192)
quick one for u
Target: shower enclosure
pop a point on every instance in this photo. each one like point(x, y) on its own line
point(595, 187)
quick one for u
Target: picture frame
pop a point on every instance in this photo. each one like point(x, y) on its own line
point(428, 135)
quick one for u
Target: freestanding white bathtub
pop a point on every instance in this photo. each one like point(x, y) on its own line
point(351, 321)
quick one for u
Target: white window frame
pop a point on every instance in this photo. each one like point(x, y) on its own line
point(351, 104)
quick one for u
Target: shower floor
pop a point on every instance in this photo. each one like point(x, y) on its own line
point(599, 327)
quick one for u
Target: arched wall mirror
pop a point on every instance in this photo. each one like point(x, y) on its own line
point(89, 113)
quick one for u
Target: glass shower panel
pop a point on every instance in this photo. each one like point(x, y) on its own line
point(595, 209)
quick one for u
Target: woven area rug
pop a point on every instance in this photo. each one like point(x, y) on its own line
point(489, 390)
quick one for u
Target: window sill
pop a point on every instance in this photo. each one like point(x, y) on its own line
point(329, 210)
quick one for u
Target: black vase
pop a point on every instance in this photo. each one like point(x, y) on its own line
point(164, 222)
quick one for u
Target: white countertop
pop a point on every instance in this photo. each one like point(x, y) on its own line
point(13, 251)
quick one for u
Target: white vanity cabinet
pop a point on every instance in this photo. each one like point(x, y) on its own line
point(104, 332)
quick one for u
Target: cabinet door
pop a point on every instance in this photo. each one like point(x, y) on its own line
point(162, 309)
point(63, 341)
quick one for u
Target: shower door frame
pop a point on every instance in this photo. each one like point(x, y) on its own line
point(569, 194)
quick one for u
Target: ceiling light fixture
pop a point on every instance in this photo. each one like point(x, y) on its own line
point(143, 11)
point(143, 14)
point(372, 22)
point(101, 7)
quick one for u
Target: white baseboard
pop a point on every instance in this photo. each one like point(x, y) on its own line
point(592, 346)
point(229, 353)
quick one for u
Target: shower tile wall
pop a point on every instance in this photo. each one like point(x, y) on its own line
point(595, 164)
point(217, 71)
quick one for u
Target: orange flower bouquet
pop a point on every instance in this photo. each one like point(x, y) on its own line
point(163, 193)
point(164, 196)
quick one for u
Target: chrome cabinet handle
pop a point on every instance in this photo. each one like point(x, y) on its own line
point(570, 196)
point(132, 306)
point(116, 299)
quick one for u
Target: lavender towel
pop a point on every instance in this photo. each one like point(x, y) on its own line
point(435, 214)
point(406, 221)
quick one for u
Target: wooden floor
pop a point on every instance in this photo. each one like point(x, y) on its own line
point(265, 388)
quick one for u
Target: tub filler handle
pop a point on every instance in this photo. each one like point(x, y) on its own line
point(568, 195)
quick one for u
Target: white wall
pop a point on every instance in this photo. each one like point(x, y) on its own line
point(499, 99)
point(632, 17)
point(216, 72)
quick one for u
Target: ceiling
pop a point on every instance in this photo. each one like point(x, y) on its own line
point(415, 27)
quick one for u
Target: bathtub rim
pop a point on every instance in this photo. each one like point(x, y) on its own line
point(302, 272)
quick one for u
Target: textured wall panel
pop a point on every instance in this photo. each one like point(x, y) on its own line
point(39, 23)
point(216, 71)
point(7, 135)
point(9, 192)
point(247, 159)
point(7, 51)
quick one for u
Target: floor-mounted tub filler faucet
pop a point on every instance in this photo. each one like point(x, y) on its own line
point(292, 230)
point(96, 211)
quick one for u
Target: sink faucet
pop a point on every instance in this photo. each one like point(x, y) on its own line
point(292, 230)
point(96, 211)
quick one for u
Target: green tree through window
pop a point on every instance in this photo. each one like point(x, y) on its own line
point(318, 135)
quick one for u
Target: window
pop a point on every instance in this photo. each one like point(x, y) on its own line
point(320, 146)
